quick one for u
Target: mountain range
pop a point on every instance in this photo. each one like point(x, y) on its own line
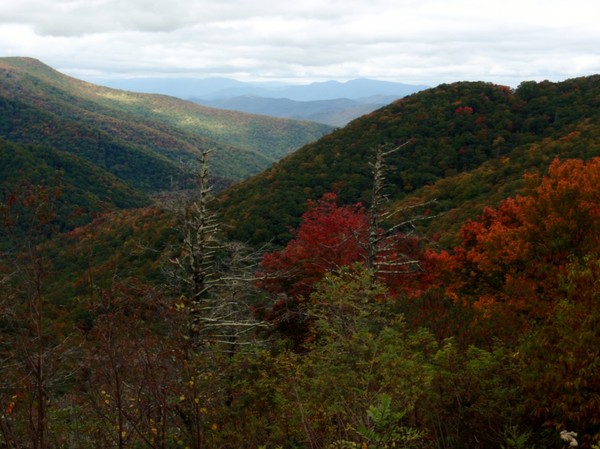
point(331, 102)
point(221, 88)
point(468, 145)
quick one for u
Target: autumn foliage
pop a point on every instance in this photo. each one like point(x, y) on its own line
point(513, 257)
point(330, 237)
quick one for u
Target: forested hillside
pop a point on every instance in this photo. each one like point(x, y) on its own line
point(469, 145)
point(439, 286)
point(145, 140)
point(85, 189)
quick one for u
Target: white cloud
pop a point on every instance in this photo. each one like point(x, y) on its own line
point(421, 41)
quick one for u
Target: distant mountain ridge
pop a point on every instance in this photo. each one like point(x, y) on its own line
point(331, 102)
point(219, 88)
point(337, 112)
point(327, 90)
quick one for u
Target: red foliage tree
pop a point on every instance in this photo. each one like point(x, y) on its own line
point(465, 110)
point(329, 237)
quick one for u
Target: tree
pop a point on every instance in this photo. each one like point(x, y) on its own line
point(384, 243)
point(194, 264)
point(559, 359)
point(215, 280)
point(332, 236)
point(216, 277)
point(512, 258)
point(329, 238)
point(358, 353)
point(129, 375)
point(393, 246)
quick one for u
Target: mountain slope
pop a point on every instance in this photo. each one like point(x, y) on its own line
point(78, 190)
point(145, 139)
point(457, 133)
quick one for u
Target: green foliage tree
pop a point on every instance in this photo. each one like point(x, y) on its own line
point(358, 354)
point(385, 431)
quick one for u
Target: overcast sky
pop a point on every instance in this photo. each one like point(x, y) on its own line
point(412, 41)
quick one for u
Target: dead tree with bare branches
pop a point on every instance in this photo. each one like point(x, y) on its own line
point(389, 228)
point(216, 277)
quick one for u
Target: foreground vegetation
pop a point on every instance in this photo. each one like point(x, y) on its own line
point(349, 336)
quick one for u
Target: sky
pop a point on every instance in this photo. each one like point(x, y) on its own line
point(410, 41)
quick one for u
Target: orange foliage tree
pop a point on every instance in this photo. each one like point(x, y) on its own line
point(560, 359)
point(512, 258)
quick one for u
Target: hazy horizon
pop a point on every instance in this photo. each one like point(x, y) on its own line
point(425, 42)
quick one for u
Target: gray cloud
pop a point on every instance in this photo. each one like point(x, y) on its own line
point(424, 41)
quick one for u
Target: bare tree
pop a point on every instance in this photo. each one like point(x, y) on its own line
point(217, 277)
point(384, 241)
point(215, 280)
point(194, 264)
